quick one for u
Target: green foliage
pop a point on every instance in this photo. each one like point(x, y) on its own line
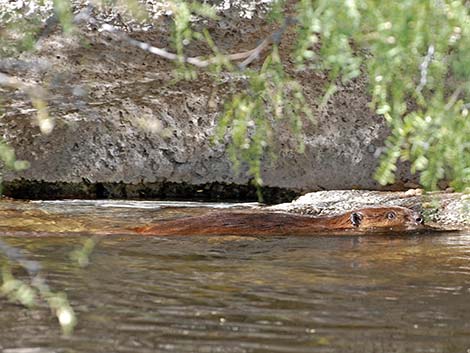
point(276, 13)
point(18, 33)
point(334, 22)
point(16, 290)
point(63, 12)
point(416, 53)
point(183, 33)
point(29, 294)
point(7, 156)
point(82, 255)
point(270, 99)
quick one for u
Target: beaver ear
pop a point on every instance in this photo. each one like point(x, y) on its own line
point(355, 219)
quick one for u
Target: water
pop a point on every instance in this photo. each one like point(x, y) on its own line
point(234, 294)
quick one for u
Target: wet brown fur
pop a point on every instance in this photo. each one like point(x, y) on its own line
point(270, 223)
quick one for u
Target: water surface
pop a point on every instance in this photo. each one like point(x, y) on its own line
point(235, 294)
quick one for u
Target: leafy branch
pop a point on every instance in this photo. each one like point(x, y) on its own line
point(27, 294)
point(414, 52)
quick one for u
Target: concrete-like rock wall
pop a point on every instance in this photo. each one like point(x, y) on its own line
point(121, 118)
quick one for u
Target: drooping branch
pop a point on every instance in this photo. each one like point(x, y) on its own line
point(249, 55)
point(16, 289)
point(424, 68)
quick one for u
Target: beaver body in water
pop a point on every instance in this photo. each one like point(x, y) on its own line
point(270, 223)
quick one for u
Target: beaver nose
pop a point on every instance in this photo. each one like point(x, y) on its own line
point(419, 220)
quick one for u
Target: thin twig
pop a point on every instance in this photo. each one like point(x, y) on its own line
point(274, 38)
point(249, 55)
point(424, 68)
point(453, 98)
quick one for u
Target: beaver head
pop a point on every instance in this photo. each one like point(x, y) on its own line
point(386, 217)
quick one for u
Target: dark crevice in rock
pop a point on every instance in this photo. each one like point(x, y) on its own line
point(40, 190)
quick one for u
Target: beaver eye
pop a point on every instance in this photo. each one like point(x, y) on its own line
point(391, 215)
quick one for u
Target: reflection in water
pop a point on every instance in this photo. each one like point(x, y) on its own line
point(233, 294)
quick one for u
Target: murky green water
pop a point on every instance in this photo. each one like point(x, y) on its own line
point(231, 294)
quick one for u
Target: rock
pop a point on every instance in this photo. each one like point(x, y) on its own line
point(121, 118)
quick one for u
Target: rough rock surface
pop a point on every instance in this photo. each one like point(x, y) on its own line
point(443, 209)
point(105, 94)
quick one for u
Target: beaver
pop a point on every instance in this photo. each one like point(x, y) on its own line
point(239, 223)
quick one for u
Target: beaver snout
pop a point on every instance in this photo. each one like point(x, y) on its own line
point(416, 218)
